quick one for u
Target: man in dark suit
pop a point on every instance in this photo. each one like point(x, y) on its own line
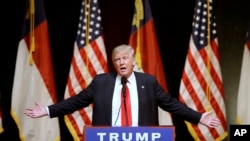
point(105, 94)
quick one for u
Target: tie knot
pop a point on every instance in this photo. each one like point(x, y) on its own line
point(124, 80)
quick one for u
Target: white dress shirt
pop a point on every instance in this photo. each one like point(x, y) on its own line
point(116, 101)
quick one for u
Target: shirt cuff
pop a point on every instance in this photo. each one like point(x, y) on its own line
point(47, 109)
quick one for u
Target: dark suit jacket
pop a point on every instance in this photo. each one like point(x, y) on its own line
point(100, 93)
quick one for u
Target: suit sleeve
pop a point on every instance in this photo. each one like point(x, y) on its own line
point(174, 106)
point(74, 103)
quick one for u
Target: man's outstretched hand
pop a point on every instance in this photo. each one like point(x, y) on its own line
point(209, 120)
point(36, 112)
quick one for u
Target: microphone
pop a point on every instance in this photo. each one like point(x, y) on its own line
point(124, 81)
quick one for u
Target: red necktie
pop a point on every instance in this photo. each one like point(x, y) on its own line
point(126, 107)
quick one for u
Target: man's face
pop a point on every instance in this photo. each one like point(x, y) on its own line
point(123, 63)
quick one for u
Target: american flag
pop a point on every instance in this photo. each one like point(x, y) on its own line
point(201, 86)
point(89, 59)
point(243, 116)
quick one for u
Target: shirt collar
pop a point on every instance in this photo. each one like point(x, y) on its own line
point(130, 78)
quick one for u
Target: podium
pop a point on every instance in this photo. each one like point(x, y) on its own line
point(142, 133)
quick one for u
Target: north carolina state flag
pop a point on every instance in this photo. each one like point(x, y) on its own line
point(34, 79)
point(243, 106)
point(148, 58)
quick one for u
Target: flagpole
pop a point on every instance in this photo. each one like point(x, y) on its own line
point(32, 25)
point(87, 14)
point(137, 18)
point(208, 107)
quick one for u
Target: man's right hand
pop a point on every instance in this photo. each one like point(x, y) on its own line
point(36, 112)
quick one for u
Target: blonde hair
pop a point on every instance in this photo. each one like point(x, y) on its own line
point(123, 48)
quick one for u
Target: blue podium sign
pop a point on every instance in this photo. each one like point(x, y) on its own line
point(156, 133)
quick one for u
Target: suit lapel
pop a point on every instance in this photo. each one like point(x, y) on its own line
point(109, 96)
point(141, 93)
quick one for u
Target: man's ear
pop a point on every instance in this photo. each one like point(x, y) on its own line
point(134, 62)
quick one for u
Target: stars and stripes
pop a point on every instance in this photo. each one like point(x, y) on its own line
point(200, 25)
point(89, 59)
point(89, 27)
point(201, 86)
